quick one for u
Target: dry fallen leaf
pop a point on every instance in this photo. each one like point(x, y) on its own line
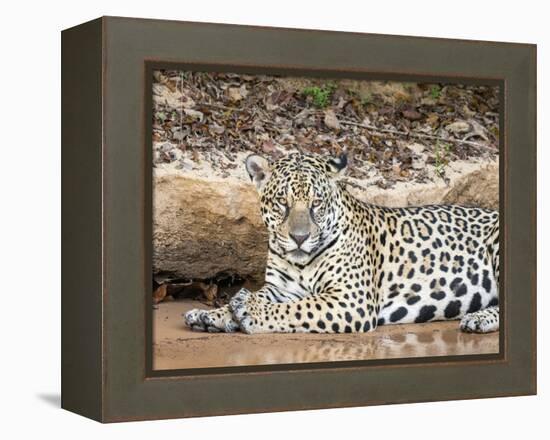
point(458, 127)
point(331, 121)
point(210, 292)
point(412, 115)
point(477, 130)
point(237, 93)
point(432, 119)
point(216, 129)
point(416, 148)
point(195, 114)
point(171, 84)
point(159, 294)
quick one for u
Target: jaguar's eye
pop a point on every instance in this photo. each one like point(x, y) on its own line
point(282, 201)
point(316, 203)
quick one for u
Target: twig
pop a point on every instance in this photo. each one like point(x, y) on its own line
point(418, 135)
point(220, 107)
point(353, 184)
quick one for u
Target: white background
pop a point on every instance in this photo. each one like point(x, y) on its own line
point(30, 218)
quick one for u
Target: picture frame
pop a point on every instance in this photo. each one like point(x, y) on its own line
point(106, 219)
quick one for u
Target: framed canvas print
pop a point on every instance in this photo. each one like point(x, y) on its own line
point(261, 219)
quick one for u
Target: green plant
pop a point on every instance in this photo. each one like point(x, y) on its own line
point(321, 95)
point(435, 91)
point(441, 158)
point(161, 116)
point(367, 99)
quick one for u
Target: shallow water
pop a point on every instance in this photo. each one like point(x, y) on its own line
point(177, 347)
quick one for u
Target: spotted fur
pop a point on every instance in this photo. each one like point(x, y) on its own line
point(336, 264)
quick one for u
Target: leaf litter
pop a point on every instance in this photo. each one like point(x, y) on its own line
point(203, 116)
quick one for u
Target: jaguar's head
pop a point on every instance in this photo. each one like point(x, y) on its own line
point(300, 201)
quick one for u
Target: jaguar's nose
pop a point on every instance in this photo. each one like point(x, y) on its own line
point(299, 238)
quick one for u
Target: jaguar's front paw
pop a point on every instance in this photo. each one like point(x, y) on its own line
point(194, 319)
point(242, 312)
point(213, 321)
point(220, 320)
point(237, 305)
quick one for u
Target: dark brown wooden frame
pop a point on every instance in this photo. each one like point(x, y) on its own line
point(106, 233)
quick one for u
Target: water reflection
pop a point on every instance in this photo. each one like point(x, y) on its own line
point(388, 342)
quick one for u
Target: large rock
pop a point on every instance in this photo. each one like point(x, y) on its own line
point(469, 184)
point(205, 227)
point(478, 188)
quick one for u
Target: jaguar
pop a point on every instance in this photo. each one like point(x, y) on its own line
point(338, 265)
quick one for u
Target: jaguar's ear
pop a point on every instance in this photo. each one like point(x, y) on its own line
point(258, 169)
point(337, 165)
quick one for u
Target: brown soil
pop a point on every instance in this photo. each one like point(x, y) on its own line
point(177, 347)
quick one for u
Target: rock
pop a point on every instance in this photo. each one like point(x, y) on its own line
point(469, 184)
point(479, 188)
point(205, 226)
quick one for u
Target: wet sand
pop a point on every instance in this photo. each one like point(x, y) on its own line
point(177, 347)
